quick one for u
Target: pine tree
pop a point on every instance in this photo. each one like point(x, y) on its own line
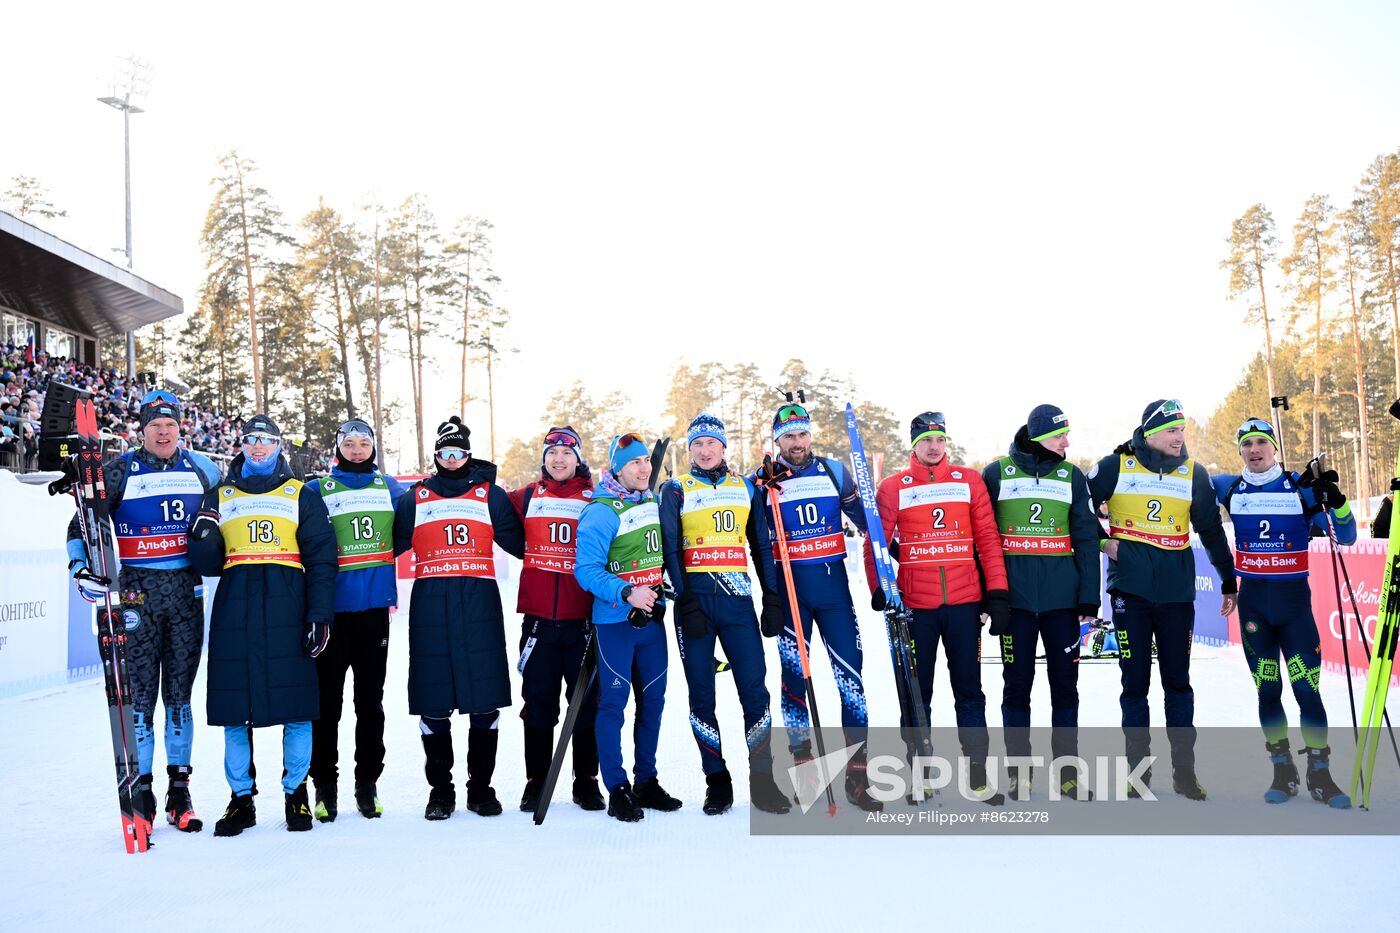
point(1379, 197)
point(27, 197)
point(1252, 247)
point(1311, 278)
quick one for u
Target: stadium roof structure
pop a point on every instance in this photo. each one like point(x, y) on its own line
point(56, 282)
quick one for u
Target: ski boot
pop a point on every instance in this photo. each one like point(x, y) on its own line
point(442, 801)
point(1070, 788)
point(1285, 783)
point(298, 810)
point(624, 805)
point(1146, 780)
point(143, 799)
point(530, 799)
point(858, 785)
point(239, 815)
point(806, 781)
point(977, 783)
point(765, 795)
point(1320, 783)
point(719, 793)
point(367, 800)
point(653, 796)
point(1016, 786)
point(587, 795)
point(1184, 783)
point(326, 809)
point(179, 809)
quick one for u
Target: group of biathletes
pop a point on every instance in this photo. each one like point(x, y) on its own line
point(307, 579)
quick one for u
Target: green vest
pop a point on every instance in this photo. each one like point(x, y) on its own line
point(1033, 512)
point(363, 520)
point(635, 554)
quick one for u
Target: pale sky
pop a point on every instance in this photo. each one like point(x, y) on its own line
point(972, 209)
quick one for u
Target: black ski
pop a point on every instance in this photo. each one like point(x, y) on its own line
point(587, 672)
point(85, 479)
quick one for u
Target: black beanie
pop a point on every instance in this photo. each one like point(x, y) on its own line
point(453, 433)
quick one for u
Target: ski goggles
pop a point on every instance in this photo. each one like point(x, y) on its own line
point(160, 395)
point(929, 424)
point(254, 440)
point(624, 440)
point(1172, 413)
point(563, 439)
point(354, 428)
point(791, 419)
point(1256, 427)
point(451, 454)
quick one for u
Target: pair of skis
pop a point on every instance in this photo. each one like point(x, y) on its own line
point(588, 672)
point(84, 478)
point(906, 672)
point(1383, 653)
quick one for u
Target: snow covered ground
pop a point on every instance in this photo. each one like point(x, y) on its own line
point(66, 870)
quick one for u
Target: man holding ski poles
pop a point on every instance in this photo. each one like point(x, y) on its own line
point(1273, 511)
point(813, 494)
point(1050, 540)
point(1156, 494)
point(709, 529)
point(941, 517)
point(154, 494)
point(553, 636)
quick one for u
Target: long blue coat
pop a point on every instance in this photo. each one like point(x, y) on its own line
point(258, 671)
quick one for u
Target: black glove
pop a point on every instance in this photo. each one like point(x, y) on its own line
point(318, 635)
point(1324, 487)
point(771, 621)
point(877, 600)
point(658, 610)
point(894, 549)
point(692, 617)
point(205, 524)
point(1380, 525)
point(997, 604)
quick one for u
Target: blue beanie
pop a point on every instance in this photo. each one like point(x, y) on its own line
point(624, 449)
point(789, 419)
point(1045, 422)
point(706, 425)
point(1162, 414)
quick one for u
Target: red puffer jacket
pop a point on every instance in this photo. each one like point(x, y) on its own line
point(946, 527)
point(551, 593)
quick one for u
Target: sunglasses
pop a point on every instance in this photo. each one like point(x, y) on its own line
point(452, 454)
point(560, 439)
point(793, 413)
point(251, 440)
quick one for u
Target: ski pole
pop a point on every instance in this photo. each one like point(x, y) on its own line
point(1279, 403)
point(781, 535)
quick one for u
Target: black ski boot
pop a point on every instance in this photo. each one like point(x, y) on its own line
point(179, 808)
point(1286, 779)
point(143, 799)
point(624, 805)
point(858, 785)
point(1146, 780)
point(298, 810)
point(651, 795)
point(1184, 783)
point(481, 764)
point(367, 800)
point(719, 793)
point(239, 816)
point(765, 795)
point(977, 782)
point(1320, 783)
point(587, 795)
point(326, 809)
point(1016, 785)
point(1070, 788)
point(442, 801)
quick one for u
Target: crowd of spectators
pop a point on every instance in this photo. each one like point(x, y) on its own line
point(116, 400)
